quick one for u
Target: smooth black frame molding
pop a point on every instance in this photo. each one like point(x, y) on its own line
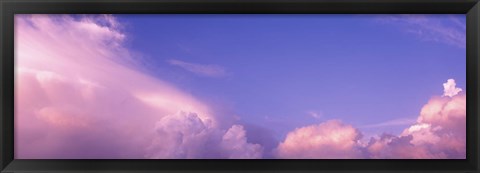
point(10, 7)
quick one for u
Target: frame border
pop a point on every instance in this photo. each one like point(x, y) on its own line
point(10, 7)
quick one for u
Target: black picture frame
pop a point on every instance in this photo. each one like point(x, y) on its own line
point(10, 7)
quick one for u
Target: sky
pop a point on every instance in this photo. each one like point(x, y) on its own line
point(240, 86)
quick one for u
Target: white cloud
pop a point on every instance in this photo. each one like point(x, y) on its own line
point(450, 89)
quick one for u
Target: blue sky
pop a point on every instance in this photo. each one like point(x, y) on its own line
point(281, 72)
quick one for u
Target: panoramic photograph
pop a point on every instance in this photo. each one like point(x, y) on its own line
point(240, 86)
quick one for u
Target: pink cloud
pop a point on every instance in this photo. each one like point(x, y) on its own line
point(77, 97)
point(329, 140)
point(443, 122)
point(438, 133)
point(444, 111)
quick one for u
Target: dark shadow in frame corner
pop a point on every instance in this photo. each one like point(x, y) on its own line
point(473, 97)
point(6, 86)
point(10, 7)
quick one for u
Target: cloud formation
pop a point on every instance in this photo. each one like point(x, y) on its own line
point(450, 89)
point(186, 136)
point(234, 141)
point(395, 122)
point(397, 147)
point(438, 133)
point(77, 96)
point(329, 140)
point(314, 114)
point(208, 70)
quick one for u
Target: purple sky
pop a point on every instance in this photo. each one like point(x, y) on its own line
point(252, 85)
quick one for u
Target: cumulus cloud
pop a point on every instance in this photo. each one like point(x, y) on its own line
point(450, 89)
point(208, 70)
point(329, 140)
point(78, 97)
point(234, 141)
point(185, 136)
point(438, 133)
point(181, 135)
point(398, 147)
point(446, 129)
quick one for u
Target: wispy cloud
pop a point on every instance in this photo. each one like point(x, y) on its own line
point(395, 122)
point(208, 70)
point(447, 30)
point(314, 114)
